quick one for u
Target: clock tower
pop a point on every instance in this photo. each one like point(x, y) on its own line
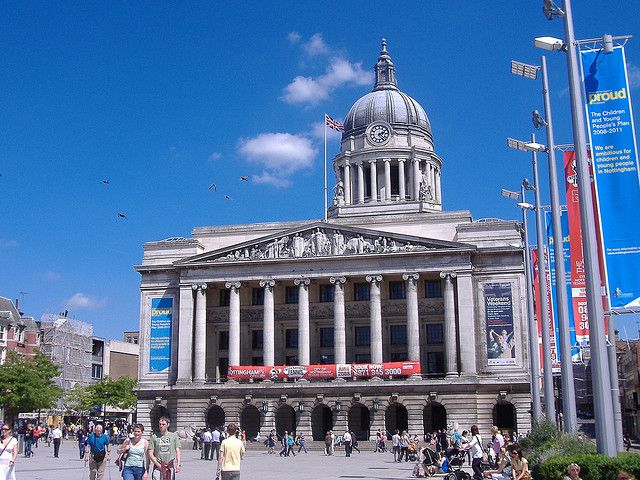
point(387, 162)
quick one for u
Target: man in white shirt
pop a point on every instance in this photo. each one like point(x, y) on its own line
point(346, 439)
point(215, 443)
point(395, 441)
point(206, 444)
point(56, 435)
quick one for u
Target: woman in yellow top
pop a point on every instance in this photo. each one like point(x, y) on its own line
point(520, 465)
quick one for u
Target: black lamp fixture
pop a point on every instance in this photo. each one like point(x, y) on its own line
point(265, 406)
point(301, 406)
point(376, 404)
point(338, 405)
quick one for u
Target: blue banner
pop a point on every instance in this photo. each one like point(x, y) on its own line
point(613, 146)
point(564, 220)
point(160, 334)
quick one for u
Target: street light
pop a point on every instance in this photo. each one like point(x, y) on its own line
point(534, 361)
point(549, 399)
point(569, 416)
point(605, 421)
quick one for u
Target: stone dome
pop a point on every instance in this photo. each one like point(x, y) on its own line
point(385, 103)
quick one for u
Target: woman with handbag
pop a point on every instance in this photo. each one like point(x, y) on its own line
point(8, 453)
point(475, 448)
point(132, 459)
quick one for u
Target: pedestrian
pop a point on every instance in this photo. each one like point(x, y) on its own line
point(627, 442)
point(354, 442)
point(134, 452)
point(206, 444)
point(520, 465)
point(284, 441)
point(290, 443)
point(81, 439)
point(164, 452)
point(8, 453)
point(97, 453)
point(215, 443)
point(327, 443)
point(271, 442)
point(231, 454)
point(378, 440)
point(475, 447)
point(56, 435)
point(573, 472)
point(28, 440)
point(497, 441)
point(346, 440)
point(404, 446)
point(395, 442)
point(301, 443)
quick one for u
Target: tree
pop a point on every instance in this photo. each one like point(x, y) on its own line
point(115, 393)
point(27, 385)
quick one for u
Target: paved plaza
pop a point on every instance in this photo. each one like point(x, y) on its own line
point(256, 465)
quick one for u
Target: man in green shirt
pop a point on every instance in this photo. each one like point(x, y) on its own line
point(164, 452)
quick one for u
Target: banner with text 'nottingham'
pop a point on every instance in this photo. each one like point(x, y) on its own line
point(613, 145)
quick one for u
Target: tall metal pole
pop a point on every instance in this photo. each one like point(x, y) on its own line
point(549, 398)
point(601, 384)
point(615, 388)
point(534, 361)
point(569, 416)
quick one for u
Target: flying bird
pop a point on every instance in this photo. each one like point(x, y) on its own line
point(122, 215)
point(244, 178)
point(105, 181)
point(227, 197)
point(212, 187)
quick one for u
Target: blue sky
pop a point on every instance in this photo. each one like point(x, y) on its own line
point(165, 99)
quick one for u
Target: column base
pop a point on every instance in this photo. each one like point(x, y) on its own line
point(302, 380)
point(452, 374)
point(375, 379)
point(339, 380)
point(199, 380)
point(183, 381)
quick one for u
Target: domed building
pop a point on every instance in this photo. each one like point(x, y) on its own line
point(393, 313)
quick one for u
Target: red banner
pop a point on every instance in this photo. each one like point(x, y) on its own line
point(555, 365)
point(316, 372)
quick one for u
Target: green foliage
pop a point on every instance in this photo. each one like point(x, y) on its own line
point(27, 385)
point(541, 433)
point(78, 400)
point(592, 467)
point(115, 393)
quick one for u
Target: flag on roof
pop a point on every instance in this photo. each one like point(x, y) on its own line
point(330, 122)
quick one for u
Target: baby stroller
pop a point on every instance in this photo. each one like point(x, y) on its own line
point(456, 460)
point(429, 463)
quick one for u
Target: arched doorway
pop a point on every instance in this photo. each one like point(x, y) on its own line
point(250, 420)
point(396, 417)
point(321, 421)
point(434, 417)
point(215, 417)
point(359, 421)
point(155, 414)
point(285, 419)
point(504, 417)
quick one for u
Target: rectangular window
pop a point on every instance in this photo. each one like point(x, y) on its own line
point(291, 338)
point(396, 291)
point(327, 359)
point(223, 366)
point(325, 293)
point(360, 292)
point(362, 335)
point(223, 340)
point(291, 360)
point(435, 363)
point(362, 358)
point(256, 339)
point(398, 334)
point(2, 332)
point(435, 334)
point(432, 289)
point(399, 356)
point(326, 337)
point(256, 361)
point(291, 295)
point(96, 371)
point(224, 297)
point(257, 296)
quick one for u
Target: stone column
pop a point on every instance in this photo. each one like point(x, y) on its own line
point(387, 179)
point(466, 324)
point(268, 327)
point(347, 184)
point(375, 316)
point(234, 322)
point(450, 352)
point(402, 186)
point(303, 320)
point(199, 374)
point(360, 183)
point(185, 334)
point(413, 323)
point(416, 179)
point(374, 181)
point(339, 320)
point(432, 180)
point(438, 187)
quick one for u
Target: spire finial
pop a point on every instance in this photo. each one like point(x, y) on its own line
point(384, 45)
point(385, 71)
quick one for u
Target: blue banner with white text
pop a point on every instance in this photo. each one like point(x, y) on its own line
point(160, 334)
point(613, 146)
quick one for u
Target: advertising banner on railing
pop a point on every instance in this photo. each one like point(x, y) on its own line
point(555, 365)
point(498, 305)
point(613, 145)
point(318, 372)
point(160, 334)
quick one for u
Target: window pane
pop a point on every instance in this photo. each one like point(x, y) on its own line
point(256, 361)
point(396, 290)
point(257, 296)
point(256, 339)
point(435, 333)
point(327, 360)
point(399, 356)
point(224, 297)
point(223, 340)
point(326, 337)
point(398, 334)
point(291, 338)
point(363, 335)
point(291, 295)
point(435, 363)
point(223, 365)
point(291, 360)
point(326, 293)
point(432, 289)
point(360, 291)
point(363, 358)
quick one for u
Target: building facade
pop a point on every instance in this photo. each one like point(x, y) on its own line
point(389, 277)
point(18, 333)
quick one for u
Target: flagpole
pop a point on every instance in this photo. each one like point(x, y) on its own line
point(325, 166)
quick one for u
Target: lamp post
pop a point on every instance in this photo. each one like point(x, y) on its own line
point(569, 416)
point(534, 361)
point(549, 399)
point(601, 383)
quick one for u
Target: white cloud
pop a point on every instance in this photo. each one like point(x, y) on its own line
point(311, 90)
point(294, 37)
point(317, 131)
point(215, 156)
point(316, 46)
point(49, 275)
point(279, 154)
point(8, 243)
point(634, 75)
point(80, 301)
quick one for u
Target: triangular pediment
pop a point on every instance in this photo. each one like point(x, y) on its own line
point(321, 239)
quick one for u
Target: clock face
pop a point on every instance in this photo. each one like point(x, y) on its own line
point(379, 134)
